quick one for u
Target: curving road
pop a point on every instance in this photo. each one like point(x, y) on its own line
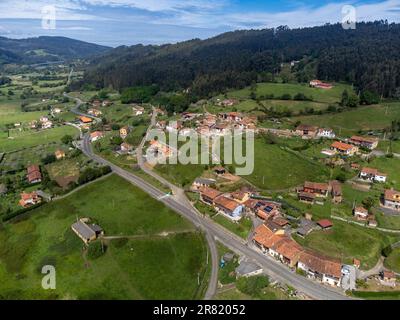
point(214, 232)
point(271, 267)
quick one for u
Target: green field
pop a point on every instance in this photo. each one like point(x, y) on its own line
point(393, 261)
point(278, 89)
point(346, 241)
point(27, 139)
point(362, 118)
point(277, 169)
point(149, 265)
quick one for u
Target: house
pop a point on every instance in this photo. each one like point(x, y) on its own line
point(126, 147)
point(356, 263)
point(34, 174)
point(220, 129)
point(336, 191)
point(344, 148)
point(325, 224)
point(372, 223)
point(97, 135)
point(361, 213)
point(85, 120)
point(368, 143)
point(47, 125)
point(228, 257)
point(44, 119)
point(326, 133)
point(307, 131)
point(33, 124)
point(373, 175)
point(208, 195)
point(137, 110)
point(60, 154)
point(388, 276)
point(95, 112)
point(289, 252)
point(87, 232)
point(276, 228)
point(306, 227)
point(124, 132)
point(320, 268)
point(355, 166)
point(96, 103)
point(307, 197)
point(106, 103)
point(248, 269)
point(240, 196)
point(202, 183)
point(228, 103)
point(174, 126)
point(321, 85)
point(391, 199)
point(229, 207)
point(57, 110)
point(29, 199)
point(267, 210)
point(318, 189)
point(161, 124)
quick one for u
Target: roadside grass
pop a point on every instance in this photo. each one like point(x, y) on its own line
point(385, 146)
point(388, 222)
point(362, 118)
point(346, 241)
point(371, 295)
point(31, 139)
point(241, 228)
point(152, 267)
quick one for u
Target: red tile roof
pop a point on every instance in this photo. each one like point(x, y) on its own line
point(392, 195)
point(321, 264)
point(325, 223)
point(342, 146)
point(210, 193)
point(226, 203)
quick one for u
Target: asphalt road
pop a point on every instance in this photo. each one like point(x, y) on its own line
point(238, 245)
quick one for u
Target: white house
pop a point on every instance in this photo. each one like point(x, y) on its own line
point(326, 133)
point(361, 213)
point(47, 124)
point(373, 175)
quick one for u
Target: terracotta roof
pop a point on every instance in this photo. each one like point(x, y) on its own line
point(325, 223)
point(96, 134)
point(316, 186)
point(389, 274)
point(361, 210)
point(240, 195)
point(342, 146)
point(35, 175)
point(363, 139)
point(226, 203)
point(321, 264)
point(33, 168)
point(210, 193)
point(372, 171)
point(392, 195)
point(86, 119)
point(290, 249)
point(306, 127)
point(307, 195)
point(126, 146)
point(336, 187)
point(280, 221)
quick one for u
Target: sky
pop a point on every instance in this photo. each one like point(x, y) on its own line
point(128, 22)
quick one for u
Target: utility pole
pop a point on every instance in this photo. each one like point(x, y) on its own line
point(198, 278)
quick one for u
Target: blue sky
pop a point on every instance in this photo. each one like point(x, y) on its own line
point(128, 22)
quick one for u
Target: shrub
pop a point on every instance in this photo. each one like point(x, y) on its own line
point(253, 286)
point(96, 250)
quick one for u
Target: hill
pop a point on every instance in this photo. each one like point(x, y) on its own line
point(368, 57)
point(45, 49)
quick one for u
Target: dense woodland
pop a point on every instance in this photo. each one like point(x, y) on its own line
point(368, 57)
